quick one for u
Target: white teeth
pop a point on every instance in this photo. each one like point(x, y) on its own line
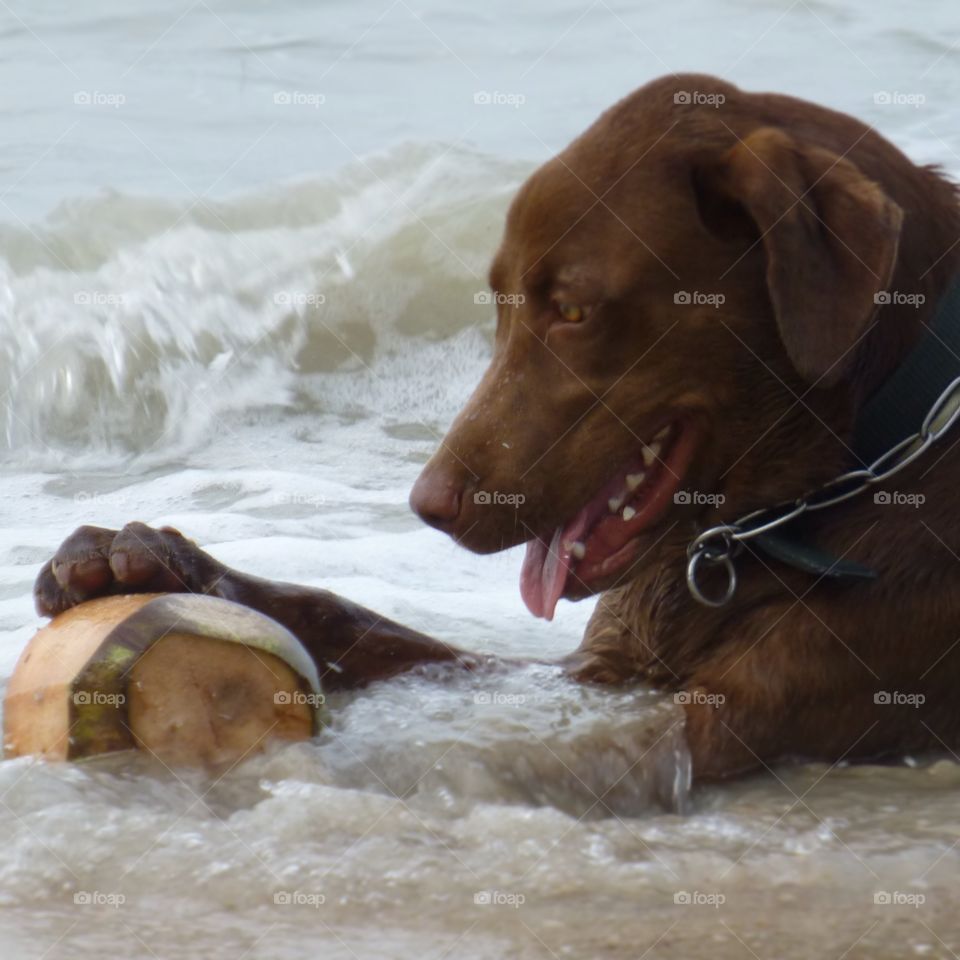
point(615, 503)
point(650, 453)
point(663, 433)
point(634, 480)
point(629, 513)
point(575, 548)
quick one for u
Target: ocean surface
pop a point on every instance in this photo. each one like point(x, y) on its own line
point(239, 248)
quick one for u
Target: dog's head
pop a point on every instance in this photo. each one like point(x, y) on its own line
point(667, 288)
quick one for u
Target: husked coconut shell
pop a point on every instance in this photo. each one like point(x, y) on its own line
point(190, 679)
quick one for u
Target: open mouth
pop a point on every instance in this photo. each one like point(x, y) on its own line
point(603, 539)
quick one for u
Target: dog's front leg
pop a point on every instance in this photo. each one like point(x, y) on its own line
point(350, 644)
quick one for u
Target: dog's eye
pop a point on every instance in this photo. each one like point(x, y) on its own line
point(570, 312)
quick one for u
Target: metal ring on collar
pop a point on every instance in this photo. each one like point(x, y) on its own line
point(693, 565)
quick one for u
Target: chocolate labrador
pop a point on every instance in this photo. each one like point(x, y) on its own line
point(720, 396)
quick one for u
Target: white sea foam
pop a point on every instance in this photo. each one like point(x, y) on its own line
point(136, 327)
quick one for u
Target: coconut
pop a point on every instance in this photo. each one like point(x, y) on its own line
point(190, 679)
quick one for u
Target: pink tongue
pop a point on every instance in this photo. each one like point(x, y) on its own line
point(544, 575)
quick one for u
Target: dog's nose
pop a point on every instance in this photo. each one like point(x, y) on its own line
point(435, 499)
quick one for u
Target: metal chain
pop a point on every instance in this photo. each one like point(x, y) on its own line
point(719, 545)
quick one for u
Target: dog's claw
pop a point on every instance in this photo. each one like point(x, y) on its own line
point(95, 561)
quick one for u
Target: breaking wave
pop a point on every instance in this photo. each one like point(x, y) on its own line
point(133, 325)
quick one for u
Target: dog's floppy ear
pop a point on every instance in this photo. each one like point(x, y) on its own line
point(830, 236)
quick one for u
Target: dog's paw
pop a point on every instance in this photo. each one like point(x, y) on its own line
point(95, 562)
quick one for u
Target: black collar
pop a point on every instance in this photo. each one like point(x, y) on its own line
point(894, 412)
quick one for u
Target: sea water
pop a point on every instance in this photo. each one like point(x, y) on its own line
point(240, 251)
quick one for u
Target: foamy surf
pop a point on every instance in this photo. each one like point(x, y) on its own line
point(134, 326)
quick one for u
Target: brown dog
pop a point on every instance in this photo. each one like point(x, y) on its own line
point(696, 300)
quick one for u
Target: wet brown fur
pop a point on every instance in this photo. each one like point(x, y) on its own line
point(798, 215)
